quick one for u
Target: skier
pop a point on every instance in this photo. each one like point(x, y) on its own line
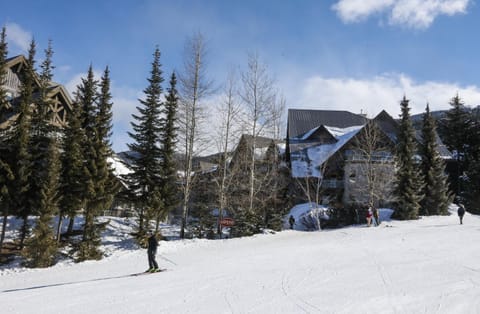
point(461, 212)
point(369, 216)
point(291, 221)
point(152, 251)
point(376, 216)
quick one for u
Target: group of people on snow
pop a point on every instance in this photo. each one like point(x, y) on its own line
point(373, 217)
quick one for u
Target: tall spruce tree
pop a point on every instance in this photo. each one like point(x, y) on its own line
point(6, 175)
point(41, 130)
point(436, 195)
point(21, 162)
point(105, 115)
point(456, 136)
point(145, 151)
point(169, 188)
point(408, 181)
point(87, 97)
point(471, 195)
point(4, 103)
point(73, 171)
point(105, 181)
point(41, 248)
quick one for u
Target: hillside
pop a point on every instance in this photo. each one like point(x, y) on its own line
point(425, 266)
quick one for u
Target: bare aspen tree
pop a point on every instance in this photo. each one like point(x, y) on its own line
point(228, 110)
point(258, 96)
point(370, 169)
point(311, 185)
point(278, 111)
point(194, 87)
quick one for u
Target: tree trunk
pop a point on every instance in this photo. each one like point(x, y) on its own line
point(71, 224)
point(23, 232)
point(4, 228)
point(59, 228)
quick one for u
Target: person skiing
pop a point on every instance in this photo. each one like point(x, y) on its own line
point(461, 212)
point(291, 221)
point(152, 251)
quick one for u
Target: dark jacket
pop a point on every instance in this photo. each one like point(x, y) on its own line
point(461, 210)
point(152, 243)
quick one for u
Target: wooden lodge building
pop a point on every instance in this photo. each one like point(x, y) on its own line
point(61, 102)
point(346, 153)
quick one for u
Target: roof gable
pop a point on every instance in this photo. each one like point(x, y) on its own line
point(300, 121)
point(387, 124)
point(316, 155)
point(320, 134)
point(61, 102)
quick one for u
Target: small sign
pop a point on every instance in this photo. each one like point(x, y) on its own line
point(227, 222)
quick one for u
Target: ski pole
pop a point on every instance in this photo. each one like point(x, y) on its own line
point(168, 260)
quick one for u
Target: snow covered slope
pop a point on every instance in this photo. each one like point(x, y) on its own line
point(426, 266)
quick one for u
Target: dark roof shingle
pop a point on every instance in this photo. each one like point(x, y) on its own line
point(301, 121)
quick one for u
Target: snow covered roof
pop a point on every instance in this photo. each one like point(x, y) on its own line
point(301, 121)
point(316, 155)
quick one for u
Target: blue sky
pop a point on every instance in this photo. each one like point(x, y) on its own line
point(357, 55)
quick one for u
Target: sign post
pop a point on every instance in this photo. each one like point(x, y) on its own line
point(227, 222)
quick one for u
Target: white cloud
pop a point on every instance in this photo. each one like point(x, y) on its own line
point(412, 13)
point(372, 95)
point(18, 37)
point(357, 10)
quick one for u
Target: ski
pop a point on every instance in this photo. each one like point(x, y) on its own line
point(148, 273)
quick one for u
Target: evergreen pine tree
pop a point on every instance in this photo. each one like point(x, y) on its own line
point(169, 189)
point(4, 104)
point(105, 115)
point(456, 135)
point(40, 124)
point(73, 171)
point(41, 130)
point(145, 153)
point(6, 175)
point(471, 195)
point(105, 181)
point(275, 186)
point(87, 97)
point(21, 159)
point(436, 196)
point(41, 247)
point(408, 181)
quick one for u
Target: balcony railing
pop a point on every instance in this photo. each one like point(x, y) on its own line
point(375, 157)
point(332, 184)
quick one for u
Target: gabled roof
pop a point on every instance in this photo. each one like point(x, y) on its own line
point(316, 155)
point(260, 141)
point(56, 88)
point(387, 124)
point(315, 132)
point(301, 121)
point(55, 91)
point(14, 60)
point(21, 61)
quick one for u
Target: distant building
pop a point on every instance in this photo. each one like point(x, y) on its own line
point(346, 152)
